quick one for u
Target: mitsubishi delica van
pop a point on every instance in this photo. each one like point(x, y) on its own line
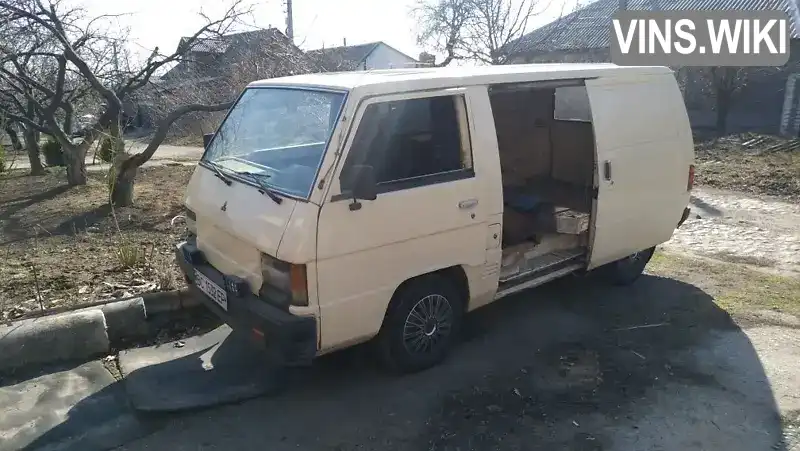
point(334, 209)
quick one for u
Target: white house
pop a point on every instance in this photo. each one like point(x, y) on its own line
point(373, 55)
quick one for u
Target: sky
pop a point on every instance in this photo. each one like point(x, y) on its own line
point(317, 23)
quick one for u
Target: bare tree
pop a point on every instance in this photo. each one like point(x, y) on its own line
point(714, 87)
point(442, 27)
point(83, 48)
point(247, 56)
point(725, 83)
point(11, 131)
point(484, 31)
point(21, 50)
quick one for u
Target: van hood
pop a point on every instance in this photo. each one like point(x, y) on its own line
point(236, 223)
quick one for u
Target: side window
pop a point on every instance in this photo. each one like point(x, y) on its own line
point(572, 104)
point(409, 139)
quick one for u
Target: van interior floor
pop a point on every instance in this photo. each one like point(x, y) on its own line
point(544, 229)
point(527, 260)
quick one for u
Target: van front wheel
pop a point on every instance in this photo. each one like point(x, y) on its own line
point(421, 324)
point(627, 270)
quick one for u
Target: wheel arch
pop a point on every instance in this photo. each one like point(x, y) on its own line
point(455, 274)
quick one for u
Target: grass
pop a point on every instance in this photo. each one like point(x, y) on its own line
point(736, 288)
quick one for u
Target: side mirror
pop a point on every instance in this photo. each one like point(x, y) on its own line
point(207, 139)
point(363, 183)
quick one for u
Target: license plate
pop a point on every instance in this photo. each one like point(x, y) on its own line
point(212, 290)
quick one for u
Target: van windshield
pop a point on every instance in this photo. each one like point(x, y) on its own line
point(278, 135)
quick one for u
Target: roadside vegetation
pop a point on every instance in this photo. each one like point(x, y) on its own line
point(736, 287)
point(63, 245)
point(751, 163)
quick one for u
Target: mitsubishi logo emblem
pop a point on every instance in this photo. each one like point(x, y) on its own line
point(224, 206)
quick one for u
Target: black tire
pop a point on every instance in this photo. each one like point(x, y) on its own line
point(628, 270)
point(398, 345)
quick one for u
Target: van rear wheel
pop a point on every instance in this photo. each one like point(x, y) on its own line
point(421, 324)
point(627, 270)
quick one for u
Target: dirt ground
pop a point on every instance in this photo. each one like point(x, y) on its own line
point(753, 164)
point(62, 245)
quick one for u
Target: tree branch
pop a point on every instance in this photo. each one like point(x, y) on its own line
point(142, 77)
point(139, 159)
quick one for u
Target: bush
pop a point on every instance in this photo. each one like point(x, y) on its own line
point(2, 158)
point(53, 156)
point(106, 150)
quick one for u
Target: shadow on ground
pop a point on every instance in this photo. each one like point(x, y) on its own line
point(68, 407)
point(568, 366)
point(9, 209)
point(704, 207)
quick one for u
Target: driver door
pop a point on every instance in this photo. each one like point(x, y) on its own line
point(429, 212)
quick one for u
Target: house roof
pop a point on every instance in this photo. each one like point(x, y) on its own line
point(590, 26)
point(351, 56)
point(355, 54)
point(228, 49)
point(221, 44)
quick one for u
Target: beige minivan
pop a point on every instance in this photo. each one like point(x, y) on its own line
point(331, 209)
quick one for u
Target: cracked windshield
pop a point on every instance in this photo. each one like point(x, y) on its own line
point(278, 134)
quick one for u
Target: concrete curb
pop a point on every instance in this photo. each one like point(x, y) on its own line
point(72, 336)
point(161, 302)
point(83, 331)
point(169, 301)
point(125, 319)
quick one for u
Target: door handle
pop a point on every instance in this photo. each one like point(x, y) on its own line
point(467, 204)
point(607, 170)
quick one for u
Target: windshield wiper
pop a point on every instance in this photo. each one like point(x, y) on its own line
point(263, 187)
point(221, 175)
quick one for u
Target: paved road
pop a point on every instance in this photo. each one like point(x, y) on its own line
point(549, 370)
point(567, 366)
point(164, 155)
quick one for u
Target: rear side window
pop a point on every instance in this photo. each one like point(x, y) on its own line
point(412, 140)
point(572, 104)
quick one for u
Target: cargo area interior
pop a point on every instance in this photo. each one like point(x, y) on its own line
point(547, 158)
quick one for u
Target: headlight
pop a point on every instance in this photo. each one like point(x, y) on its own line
point(283, 282)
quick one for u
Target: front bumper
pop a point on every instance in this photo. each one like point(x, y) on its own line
point(685, 216)
point(287, 339)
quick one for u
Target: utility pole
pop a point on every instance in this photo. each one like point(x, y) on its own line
point(289, 21)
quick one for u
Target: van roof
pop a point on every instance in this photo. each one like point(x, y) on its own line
point(388, 80)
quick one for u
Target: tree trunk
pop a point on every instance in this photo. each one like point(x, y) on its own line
point(723, 109)
point(117, 142)
point(12, 134)
point(75, 159)
point(32, 146)
point(122, 188)
point(68, 122)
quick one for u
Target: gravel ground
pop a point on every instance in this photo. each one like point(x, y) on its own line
point(761, 231)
